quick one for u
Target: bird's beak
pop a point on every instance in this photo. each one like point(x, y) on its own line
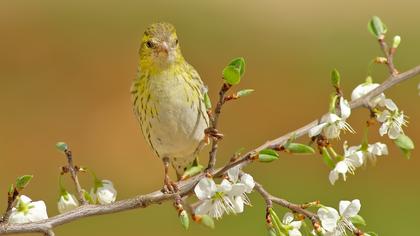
point(164, 48)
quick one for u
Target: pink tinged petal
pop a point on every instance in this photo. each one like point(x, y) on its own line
point(345, 108)
point(329, 218)
point(205, 188)
point(316, 130)
point(288, 218)
point(348, 210)
point(390, 105)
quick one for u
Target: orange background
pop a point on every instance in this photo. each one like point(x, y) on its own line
point(66, 69)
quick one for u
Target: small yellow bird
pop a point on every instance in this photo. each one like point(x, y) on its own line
point(168, 100)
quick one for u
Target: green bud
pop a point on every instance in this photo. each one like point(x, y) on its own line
point(271, 231)
point(61, 146)
point(22, 181)
point(335, 78)
point(396, 41)
point(405, 144)
point(207, 101)
point(207, 221)
point(376, 27)
point(369, 80)
point(298, 148)
point(11, 190)
point(333, 102)
point(88, 197)
point(185, 220)
point(193, 170)
point(358, 221)
point(233, 72)
point(244, 92)
point(268, 155)
point(327, 158)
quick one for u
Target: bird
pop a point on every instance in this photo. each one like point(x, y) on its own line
point(168, 101)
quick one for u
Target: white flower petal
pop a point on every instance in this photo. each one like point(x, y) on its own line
point(341, 167)
point(233, 173)
point(316, 130)
point(390, 105)
point(224, 186)
point(349, 209)
point(238, 204)
point(394, 132)
point(67, 203)
point(288, 218)
point(294, 232)
point(329, 218)
point(345, 108)
point(107, 193)
point(333, 176)
point(205, 188)
point(384, 129)
point(249, 182)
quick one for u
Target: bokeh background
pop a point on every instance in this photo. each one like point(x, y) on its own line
point(66, 69)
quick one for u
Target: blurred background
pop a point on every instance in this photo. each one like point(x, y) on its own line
point(66, 68)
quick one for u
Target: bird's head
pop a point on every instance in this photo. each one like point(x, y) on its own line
point(159, 47)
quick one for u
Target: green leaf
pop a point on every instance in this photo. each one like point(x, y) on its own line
point(244, 92)
point(239, 63)
point(207, 101)
point(184, 219)
point(358, 221)
point(61, 146)
point(405, 144)
point(22, 181)
point(207, 221)
point(371, 234)
point(88, 197)
point(376, 27)
point(335, 78)
point(193, 170)
point(268, 155)
point(231, 75)
point(271, 231)
point(327, 158)
point(276, 222)
point(298, 148)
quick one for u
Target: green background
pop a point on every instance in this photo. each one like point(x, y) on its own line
point(66, 69)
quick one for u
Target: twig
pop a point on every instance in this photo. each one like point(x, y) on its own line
point(214, 119)
point(389, 54)
point(186, 187)
point(73, 173)
point(11, 202)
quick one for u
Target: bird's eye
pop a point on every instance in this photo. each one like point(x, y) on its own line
point(150, 44)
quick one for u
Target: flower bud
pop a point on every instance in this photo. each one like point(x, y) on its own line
point(185, 221)
point(67, 202)
point(396, 41)
point(104, 192)
point(27, 211)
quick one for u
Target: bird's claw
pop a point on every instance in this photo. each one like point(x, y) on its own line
point(214, 133)
point(169, 186)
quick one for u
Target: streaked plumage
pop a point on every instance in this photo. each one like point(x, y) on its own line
point(168, 97)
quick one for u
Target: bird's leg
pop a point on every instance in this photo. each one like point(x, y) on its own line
point(168, 185)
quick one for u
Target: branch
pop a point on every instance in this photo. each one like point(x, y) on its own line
point(214, 119)
point(73, 172)
point(186, 186)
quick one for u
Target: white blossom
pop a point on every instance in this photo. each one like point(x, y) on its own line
point(363, 89)
point(104, 193)
point(27, 211)
point(331, 124)
point(392, 120)
point(291, 226)
point(353, 158)
point(67, 202)
point(214, 199)
point(334, 223)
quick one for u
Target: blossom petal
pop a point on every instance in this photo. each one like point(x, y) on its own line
point(288, 218)
point(349, 209)
point(345, 108)
point(333, 176)
point(329, 218)
point(205, 188)
point(249, 182)
point(316, 130)
point(233, 173)
point(390, 105)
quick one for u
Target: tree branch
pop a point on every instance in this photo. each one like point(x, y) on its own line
point(186, 186)
point(73, 172)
